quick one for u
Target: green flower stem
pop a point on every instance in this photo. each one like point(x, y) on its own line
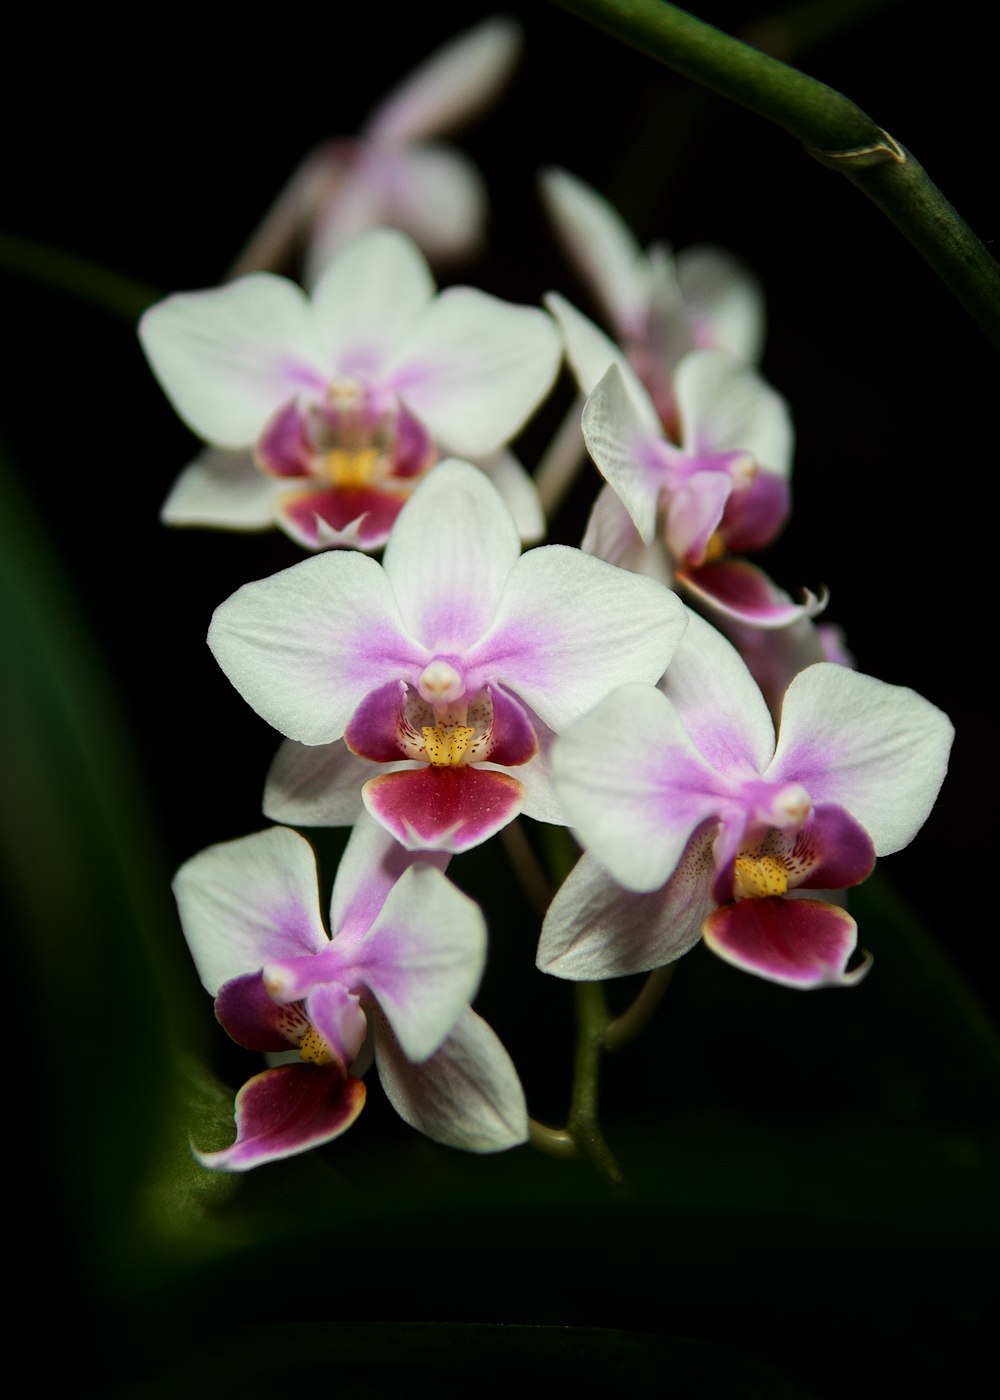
point(591, 1023)
point(537, 886)
point(624, 1028)
point(831, 127)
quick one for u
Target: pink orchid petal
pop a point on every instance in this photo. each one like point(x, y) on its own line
point(373, 732)
point(244, 902)
point(448, 809)
point(513, 739)
point(372, 863)
point(466, 1095)
point(694, 512)
point(253, 1019)
point(371, 510)
point(746, 594)
point(335, 1012)
point(753, 517)
point(288, 1110)
point(437, 196)
point(283, 448)
point(831, 852)
point(796, 942)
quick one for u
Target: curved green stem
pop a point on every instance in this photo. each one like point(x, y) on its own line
point(591, 1021)
point(115, 292)
point(829, 125)
point(624, 1028)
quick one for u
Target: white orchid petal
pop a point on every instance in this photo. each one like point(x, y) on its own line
point(600, 245)
point(450, 87)
point(726, 406)
point(223, 487)
point(449, 556)
point(372, 863)
point(726, 300)
point(245, 903)
point(590, 352)
point(227, 358)
point(369, 298)
point(437, 196)
point(633, 786)
point(305, 646)
point(466, 1095)
point(474, 367)
point(879, 751)
point(316, 785)
point(619, 440)
point(518, 492)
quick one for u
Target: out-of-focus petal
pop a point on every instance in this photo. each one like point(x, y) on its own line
point(725, 299)
point(474, 368)
point(879, 751)
point(222, 487)
point(368, 299)
point(359, 516)
point(744, 593)
point(726, 406)
point(245, 902)
point(229, 357)
point(570, 628)
point(590, 352)
point(449, 557)
point(595, 928)
point(443, 809)
point(288, 1110)
point(304, 646)
point(796, 942)
point(611, 536)
point(753, 517)
point(466, 1095)
point(518, 493)
point(422, 958)
point(451, 86)
point(437, 196)
point(600, 245)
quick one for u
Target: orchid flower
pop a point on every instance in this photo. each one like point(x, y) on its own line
point(394, 173)
point(698, 822)
point(405, 959)
point(657, 307)
point(324, 413)
point(447, 666)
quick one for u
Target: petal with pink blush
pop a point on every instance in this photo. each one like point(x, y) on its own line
point(746, 594)
point(288, 1110)
point(437, 196)
point(724, 299)
point(335, 1012)
point(512, 738)
point(254, 1020)
point(449, 809)
point(371, 511)
point(830, 852)
point(694, 511)
point(283, 448)
point(753, 517)
point(373, 732)
point(372, 862)
point(796, 942)
point(726, 406)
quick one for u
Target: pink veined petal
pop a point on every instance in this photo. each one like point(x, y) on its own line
point(437, 196)
point(725, 299)
point(304, 646)
point(513, 740)
point(600, 245)
point(633, 785)
point(370, 298)
point(288, 1110)
point(753, 517)
point(744, 593)
point(372, 863)
point(473, 368)
point(229, 357)
point(718, 701)
point(450, 555)
point(249, 1016)
point(624, 451)
point(422, 958)
point(372, 510)
point(244, 902)
point(879, 751)
point(726, 406)
point(444, 809)
point(315, 785)
point(795, 942)
point(466, 1095)
point(831, 852)
point(595, 928)
point(222, 488)
point(569, 628)
point(450, 87)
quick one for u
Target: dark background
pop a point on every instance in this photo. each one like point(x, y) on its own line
point(159, 161)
